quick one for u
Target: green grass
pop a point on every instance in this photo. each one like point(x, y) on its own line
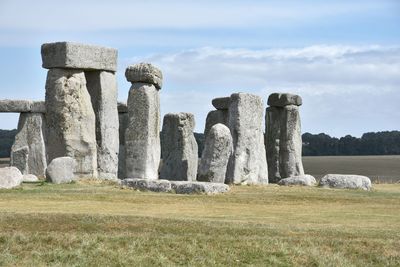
point(89, 224)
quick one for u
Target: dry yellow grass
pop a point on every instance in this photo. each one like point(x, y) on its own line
point(100, 224)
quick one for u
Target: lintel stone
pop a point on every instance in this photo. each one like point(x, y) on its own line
point(78, 56)
point(144, 73)
point(19, 106)
point(281, 100)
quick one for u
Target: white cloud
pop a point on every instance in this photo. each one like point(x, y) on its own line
point(338, 83)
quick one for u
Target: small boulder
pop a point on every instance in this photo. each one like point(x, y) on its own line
point(10, 177)
point(61, 170)
point(346, 181)
point(29, 178)
point(306, 180)
point(187, 187)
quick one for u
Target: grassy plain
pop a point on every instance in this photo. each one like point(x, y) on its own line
point(90, 224)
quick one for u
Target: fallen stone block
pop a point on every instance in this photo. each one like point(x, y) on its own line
point(147, 185)
point(346, 181)
point(305, 180)
point(61, 170)
point(187, 187)
point(70, 55)
point(10, 177)
point(29, 178)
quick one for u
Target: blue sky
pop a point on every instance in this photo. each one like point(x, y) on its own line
point(342, 57)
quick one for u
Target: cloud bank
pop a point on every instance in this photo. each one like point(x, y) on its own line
point(346, 89)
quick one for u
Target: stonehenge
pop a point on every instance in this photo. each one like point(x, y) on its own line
point(217, 151)
point(81, 107)
point(81, 131)
point(28, 152)
point(180, 160)
point(142, 135)
point(283, 136)
point(243, 114)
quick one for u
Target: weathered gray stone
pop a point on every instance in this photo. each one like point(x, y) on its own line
point(346, 181)
point(19, 106)
point(142, 136)
point(305, 180)
point(102, 87)
point(284, 99)
point(28, 152)
point(123, 124)
point(185, 187)
point(214, 117)
point(19, 158)
point(29, 178)
point(71, 120)
point(290, 143)
point(10, 177)
point(221, 103)
point(122, 107)
point(217, 151)
point(144, 73)
point(78, 56)
point(61, 170)
point(272, 144)
point(179, 148)
point(283, 137)
point(147, 185)
point(248, 163)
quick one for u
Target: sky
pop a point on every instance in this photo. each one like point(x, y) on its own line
point(342, 57)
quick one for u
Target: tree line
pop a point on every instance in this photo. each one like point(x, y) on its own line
point(379, 143)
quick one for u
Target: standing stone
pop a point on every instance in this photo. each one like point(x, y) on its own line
point(290, 143)
point(248, 163)
point(102, 87)
point(215, 156)
point(179, 148)
point(71, 120)
point(28, 152)
point(123, 124)
point(214, 117)
point(142, 136)
point(19, 158)
point(221, 103)
point(272, 142)
point(283, 136)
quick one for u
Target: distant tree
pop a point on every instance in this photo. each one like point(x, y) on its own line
point(379, 143)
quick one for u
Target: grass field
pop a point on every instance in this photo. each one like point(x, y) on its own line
point(93, 224)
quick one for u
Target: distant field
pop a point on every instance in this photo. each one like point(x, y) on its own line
point(89, 224)
point(384, 169)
